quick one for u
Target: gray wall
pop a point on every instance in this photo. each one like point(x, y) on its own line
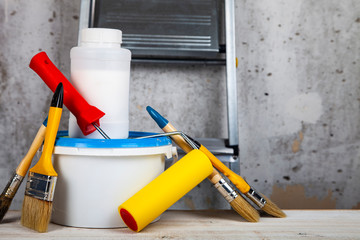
point(298, 95)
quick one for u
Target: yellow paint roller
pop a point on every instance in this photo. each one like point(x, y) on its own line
point(151, 201)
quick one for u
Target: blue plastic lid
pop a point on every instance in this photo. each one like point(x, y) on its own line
point(63, 140)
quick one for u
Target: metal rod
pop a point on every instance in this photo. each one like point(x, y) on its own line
point(168, 134)
point(189, 141)
point(161, 135)
point(101, 131)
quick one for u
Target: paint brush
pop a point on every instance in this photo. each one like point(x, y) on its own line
point(40, 186)
point(261, 201)
point(15, 181)
point(237, 202)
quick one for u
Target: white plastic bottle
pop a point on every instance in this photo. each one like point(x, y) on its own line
point(100, 71)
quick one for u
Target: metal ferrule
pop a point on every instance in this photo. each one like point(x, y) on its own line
point(41, 186)
point(226, 190)
point(256, 198)
point(13, 185)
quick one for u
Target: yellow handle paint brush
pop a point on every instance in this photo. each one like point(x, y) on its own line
point(15, 181)
point(237, 202)
point(261, 201)
point(264, 203)
point(40, 186)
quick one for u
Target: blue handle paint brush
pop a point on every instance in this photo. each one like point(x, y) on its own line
point(237, 202)
point(261, 201)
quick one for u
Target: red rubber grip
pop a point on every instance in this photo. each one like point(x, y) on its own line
point(85, 114)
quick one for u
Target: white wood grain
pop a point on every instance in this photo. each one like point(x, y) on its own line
point(300, 224)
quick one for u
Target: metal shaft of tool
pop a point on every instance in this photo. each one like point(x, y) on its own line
point(189, 141)
point(101, 131)
point(160, 135)
point(169, 134)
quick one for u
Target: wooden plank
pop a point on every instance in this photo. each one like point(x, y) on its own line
point(308, 224)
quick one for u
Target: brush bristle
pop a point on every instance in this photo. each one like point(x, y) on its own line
point(272, 209)
point(242, 207)
point(36, 214)
point(4, 205)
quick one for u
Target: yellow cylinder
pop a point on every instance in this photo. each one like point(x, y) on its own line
point(152, 200)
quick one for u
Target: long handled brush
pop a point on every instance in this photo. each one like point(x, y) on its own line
point(15, 181)
point(237, 202)
point(40, 187)
point(262, 202)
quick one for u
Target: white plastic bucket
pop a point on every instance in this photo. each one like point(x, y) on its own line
point(97, 175)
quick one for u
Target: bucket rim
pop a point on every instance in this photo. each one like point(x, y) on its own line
point(62, 140)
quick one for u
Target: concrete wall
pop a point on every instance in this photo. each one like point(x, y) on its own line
point(298, 95)
point(299, 100)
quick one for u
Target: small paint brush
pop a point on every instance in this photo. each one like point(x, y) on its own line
point(15, 181)
point(237, 202)
point(40, 186)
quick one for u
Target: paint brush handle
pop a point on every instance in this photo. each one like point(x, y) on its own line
point(237, 180)
point(215, 176)
point(85, 114)
point(25, 163)
point(44, 165)
point(179, 140)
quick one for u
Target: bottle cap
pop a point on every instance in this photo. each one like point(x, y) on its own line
point(101, 35)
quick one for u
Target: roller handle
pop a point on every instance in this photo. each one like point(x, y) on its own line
point(85, 114)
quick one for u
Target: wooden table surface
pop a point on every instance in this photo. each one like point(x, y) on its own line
point(219, 224)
